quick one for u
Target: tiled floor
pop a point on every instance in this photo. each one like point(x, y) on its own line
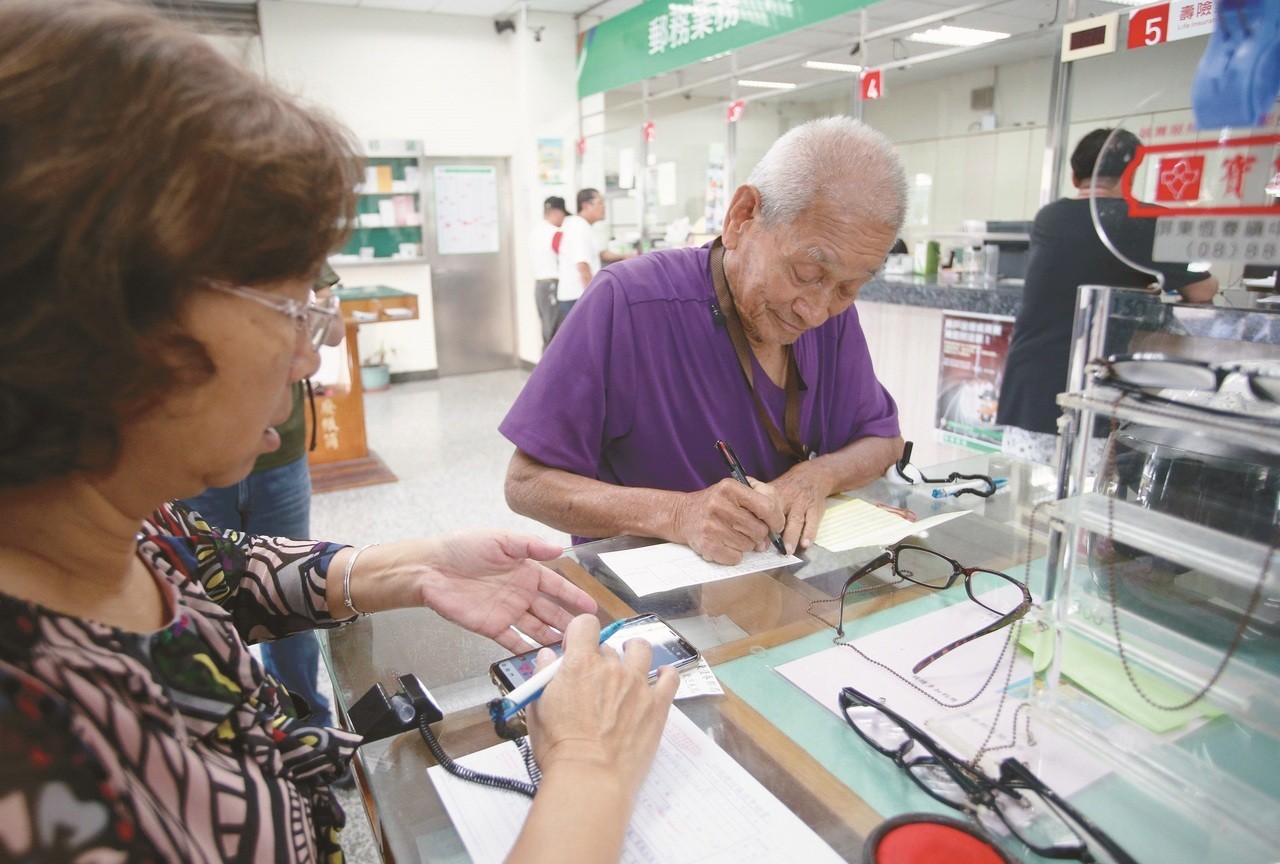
point(441, 439)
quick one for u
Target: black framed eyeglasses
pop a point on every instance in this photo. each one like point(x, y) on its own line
point(1143, 373)
point(1041, 819)
point(937, 571)
point(933, 770)
point(912, 474)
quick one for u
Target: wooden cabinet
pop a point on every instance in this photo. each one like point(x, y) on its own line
point(341, 458)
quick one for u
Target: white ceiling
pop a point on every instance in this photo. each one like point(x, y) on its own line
point(1035, 26)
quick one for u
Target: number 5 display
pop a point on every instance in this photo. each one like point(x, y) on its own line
point(1149, 26)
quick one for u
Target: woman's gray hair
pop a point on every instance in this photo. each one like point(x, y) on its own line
point(836, 157)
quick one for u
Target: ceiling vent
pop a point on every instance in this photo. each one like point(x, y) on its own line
point(206, 16)
point(982, 98)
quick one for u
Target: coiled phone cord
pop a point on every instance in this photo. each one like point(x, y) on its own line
point(473, 776)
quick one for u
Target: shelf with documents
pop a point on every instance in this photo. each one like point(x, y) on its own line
point(1164, 613)
point(388, 219)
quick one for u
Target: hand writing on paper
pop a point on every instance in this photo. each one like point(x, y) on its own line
point(802, 492)
point(725, 520)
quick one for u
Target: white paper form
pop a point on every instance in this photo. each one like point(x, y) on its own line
point(667, 566)
point(951, 679)
point(857, 523)
point(697, 805)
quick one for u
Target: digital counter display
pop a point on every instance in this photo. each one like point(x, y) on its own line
point(1088, 38)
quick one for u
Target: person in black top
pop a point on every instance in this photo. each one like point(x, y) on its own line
point(1066, 252)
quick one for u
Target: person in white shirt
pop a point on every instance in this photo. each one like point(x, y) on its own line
point(546, 264)
point(580, 254)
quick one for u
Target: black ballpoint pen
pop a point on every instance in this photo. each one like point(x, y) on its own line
point(735, 468)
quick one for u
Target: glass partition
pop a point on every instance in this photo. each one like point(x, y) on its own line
point(974, 138)
point(686, 173)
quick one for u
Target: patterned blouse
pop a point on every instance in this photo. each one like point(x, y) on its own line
point(173, 745)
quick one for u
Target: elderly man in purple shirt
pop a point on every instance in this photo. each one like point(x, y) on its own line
point(752, 339)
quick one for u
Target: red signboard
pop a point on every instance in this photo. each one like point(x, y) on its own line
point(734, 114)
point(873, 84)
point(1171, 21)
point(1204, 178)
point(1149, 26)
point(650, 131)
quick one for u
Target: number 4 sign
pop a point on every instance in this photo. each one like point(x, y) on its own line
point(873, 84)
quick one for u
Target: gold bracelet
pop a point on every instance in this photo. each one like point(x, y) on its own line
point(346, 579)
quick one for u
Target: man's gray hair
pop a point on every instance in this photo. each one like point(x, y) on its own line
point(835, 157)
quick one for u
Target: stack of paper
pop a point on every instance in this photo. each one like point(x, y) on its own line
point(857, 523)
point(697, 805)
point(668, 566)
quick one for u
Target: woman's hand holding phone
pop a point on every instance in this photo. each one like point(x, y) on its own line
point(595, 731)
point(669, 648)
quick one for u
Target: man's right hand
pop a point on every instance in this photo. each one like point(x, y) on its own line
point(725, 520)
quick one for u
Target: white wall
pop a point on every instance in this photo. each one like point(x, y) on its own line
point(451, 82)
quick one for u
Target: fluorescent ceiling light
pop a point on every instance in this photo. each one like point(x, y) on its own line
point(766, 85)
point(831, 67)
point(958, 36)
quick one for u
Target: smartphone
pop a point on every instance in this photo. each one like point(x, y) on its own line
point(669, 649)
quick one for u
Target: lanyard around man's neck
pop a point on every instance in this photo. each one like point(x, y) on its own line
point(789, 445)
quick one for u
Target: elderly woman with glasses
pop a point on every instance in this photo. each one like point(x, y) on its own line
point(165, 214)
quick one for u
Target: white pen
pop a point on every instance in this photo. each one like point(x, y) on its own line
point(531, 689)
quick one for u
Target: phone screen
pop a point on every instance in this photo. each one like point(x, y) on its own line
point(669, 649)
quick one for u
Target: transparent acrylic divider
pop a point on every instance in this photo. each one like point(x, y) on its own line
point(1169, 544)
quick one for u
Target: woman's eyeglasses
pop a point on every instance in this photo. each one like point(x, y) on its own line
point(1032, 811)
point(315, 317)
point(935, 570)
point(1142, 373)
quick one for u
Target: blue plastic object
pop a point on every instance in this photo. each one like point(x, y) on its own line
point(1239, 76)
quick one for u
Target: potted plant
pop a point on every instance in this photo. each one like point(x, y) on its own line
point(375, 368)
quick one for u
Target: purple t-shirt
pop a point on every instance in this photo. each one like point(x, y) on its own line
point(640, 382)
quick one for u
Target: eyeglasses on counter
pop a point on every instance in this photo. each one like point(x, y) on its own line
point(939, 572)
point(1027, 807)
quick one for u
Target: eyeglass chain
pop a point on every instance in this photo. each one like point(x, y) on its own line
point(1015, 631)
point(1112, 582)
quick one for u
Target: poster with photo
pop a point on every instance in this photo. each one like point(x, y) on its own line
point(970, 369)
point(551, 161)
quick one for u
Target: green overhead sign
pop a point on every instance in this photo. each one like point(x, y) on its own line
point(658, 37)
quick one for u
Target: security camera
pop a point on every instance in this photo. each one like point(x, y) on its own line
point(537, 33)
point(502, 25)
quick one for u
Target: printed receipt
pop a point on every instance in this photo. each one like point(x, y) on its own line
point(696, 805)
point(667, 566)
